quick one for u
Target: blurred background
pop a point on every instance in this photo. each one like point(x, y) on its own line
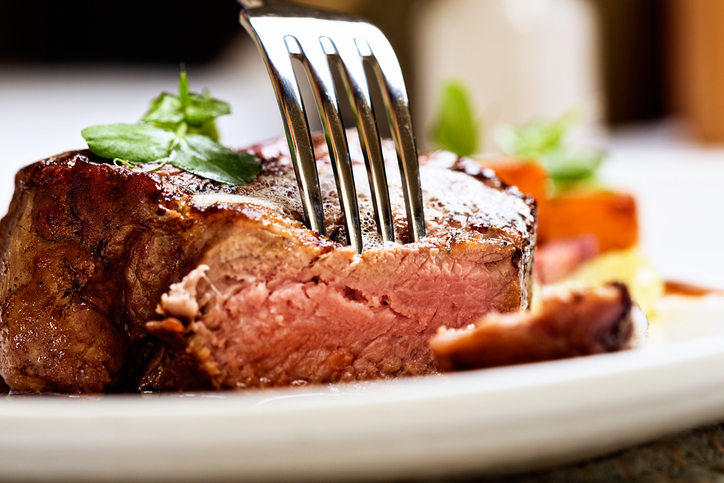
point(647, 77)
point(619, 61)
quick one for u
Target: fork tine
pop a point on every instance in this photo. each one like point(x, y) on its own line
point(349, 63)
point(320, 77)
point(268, 21)
point(278, 64)
point(389, 75)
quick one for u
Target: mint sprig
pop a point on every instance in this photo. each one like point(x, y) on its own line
point(179, 130)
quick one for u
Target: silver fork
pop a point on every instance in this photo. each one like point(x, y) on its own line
point(320, 40)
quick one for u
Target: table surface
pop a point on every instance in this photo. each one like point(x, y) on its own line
point(694, 456)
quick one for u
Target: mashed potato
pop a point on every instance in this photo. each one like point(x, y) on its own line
point(628, 266)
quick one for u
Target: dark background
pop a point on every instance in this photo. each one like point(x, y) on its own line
point(195, 31)
point(144, 31)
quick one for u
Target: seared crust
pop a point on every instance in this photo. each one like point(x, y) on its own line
point(89, 248)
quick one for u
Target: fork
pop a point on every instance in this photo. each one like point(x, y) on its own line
point(322, 41)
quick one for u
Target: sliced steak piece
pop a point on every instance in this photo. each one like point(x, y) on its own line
point(89, 249)
point(569, 324)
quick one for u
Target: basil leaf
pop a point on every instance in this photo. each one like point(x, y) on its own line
point(204, 108)
point(138, 143)
point(207, 129)
point(456, 129)
point(199, 110)
point(206, 158)
point(179, 130)
point(166, 108)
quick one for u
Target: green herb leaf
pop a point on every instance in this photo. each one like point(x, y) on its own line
point(179, 130)
point(183, 87)
point(196, 110)
point(139, 143)
point(203, 108)
point(206, 158)
point(166, 109)
point(567, 166)
point(199, 110)
point(207, 129)
point(544, 142)
point(455, 128)
point(536, 137)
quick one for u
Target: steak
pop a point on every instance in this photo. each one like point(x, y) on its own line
point(570, 323)
point(118, 279)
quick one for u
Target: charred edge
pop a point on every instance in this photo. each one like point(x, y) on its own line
point(168, 369)
point(485, 175)
point(529, 245)
point(526, 254)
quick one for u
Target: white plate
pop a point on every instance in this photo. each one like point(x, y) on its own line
point(496, 420)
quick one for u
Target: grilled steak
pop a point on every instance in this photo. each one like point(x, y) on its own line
point(90, 252)
point(570, 323)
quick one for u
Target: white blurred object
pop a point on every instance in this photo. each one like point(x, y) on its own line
point(520, 59)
